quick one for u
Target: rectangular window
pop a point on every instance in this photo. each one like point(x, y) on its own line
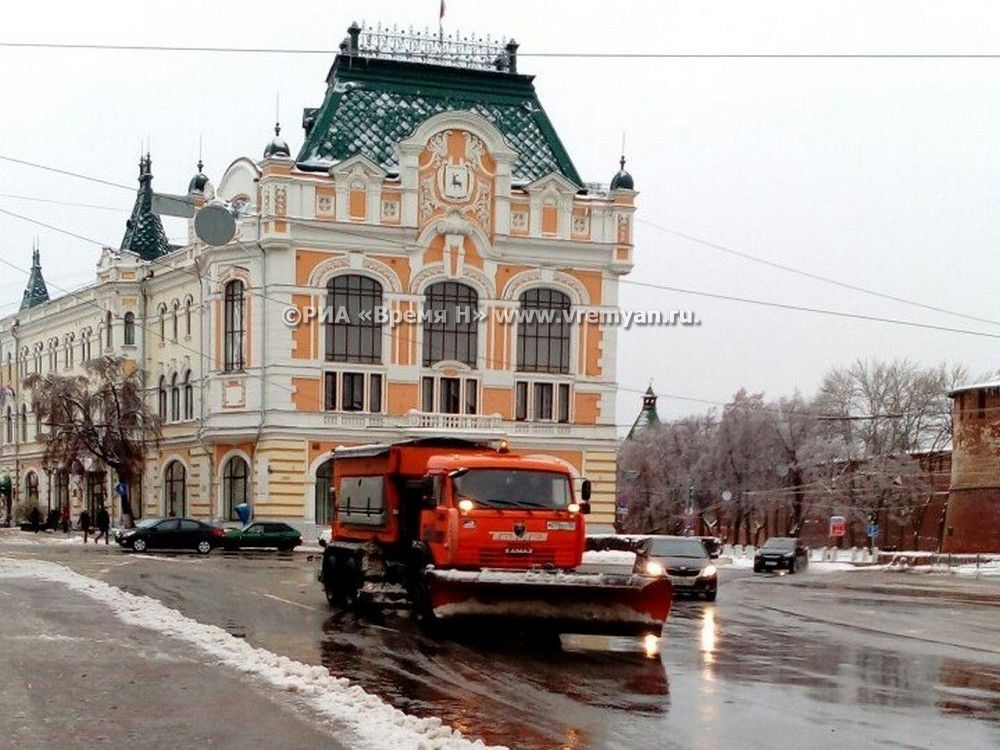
point(330, 391)
point(543, 401)
point(375, 393)
point(353, 395)
point(471, 395)
point(981, 404)
point(451, 395)
point(428, 394)
point(564, 402)
point(521, 401)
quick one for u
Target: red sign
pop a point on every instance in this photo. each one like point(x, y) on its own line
point(838, 526)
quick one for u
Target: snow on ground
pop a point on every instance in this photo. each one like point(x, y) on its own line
point(991, 568)
point(25, 538)
point(366, 720)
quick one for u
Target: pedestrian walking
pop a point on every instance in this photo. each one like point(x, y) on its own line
point(103, 524)
point(35, 518)
point(85, 524)
point(65, 519)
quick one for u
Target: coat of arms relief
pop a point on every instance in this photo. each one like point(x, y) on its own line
point(456, 177)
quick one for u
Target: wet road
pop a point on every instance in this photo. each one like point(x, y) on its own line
point(859, 659)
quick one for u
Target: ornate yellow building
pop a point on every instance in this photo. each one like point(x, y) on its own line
point(434, 202)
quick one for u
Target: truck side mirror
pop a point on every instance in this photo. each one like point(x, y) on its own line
point(585, 490)
point(585, 507)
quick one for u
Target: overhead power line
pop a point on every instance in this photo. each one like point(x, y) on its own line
point(595, 54)
point(811, 275)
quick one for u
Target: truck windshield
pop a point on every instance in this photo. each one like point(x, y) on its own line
point(506, 488)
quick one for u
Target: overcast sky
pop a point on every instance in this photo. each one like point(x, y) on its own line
point(879, 173)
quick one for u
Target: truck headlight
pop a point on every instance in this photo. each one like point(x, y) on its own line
point(708, 571)
point(466, 505)
point(654, 569)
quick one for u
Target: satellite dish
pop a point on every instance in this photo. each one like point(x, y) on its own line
point(727, 495)
point(215, 224)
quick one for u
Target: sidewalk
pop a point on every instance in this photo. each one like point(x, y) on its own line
point(76, 676)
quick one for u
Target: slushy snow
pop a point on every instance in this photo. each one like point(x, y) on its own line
point(363, 720)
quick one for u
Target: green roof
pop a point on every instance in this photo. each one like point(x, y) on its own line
point(144, 232)
point(648, 417)
point(35, 293)
point(372, 104)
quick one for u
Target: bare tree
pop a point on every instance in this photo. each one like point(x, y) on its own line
point(101, 414)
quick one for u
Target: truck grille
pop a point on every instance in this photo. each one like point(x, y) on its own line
point(498, 558)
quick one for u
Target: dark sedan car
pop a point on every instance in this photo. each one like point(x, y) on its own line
point(263, 534)
point(686, 561)
point(781, 553)
point(172, 533)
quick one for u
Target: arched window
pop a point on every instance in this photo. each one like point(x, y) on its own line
point(130, 328)
point(109, 329)
point(543, 332)
point(31, 486)
point(162, 394)
point(8, 419)
point(163, 323)
point(175, 399)
point(457, 336)
point(70, 352)
point(174, 489)
point(187, 316)
point(176, 305)
point(323, 498)
point(188, 396)
point(235, 486)
point(24, 423)
point(358, 339)
point(233, 323)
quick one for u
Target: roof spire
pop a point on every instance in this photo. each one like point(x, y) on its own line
point(35, 293)
point(648, 416)
point(144, 234)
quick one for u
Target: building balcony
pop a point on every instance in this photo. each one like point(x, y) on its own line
point(478, 423)
point(354, 420)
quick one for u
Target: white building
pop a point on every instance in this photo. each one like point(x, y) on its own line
point(429, 185)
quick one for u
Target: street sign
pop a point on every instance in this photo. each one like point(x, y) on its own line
point(838, 526)
point(165, 204)
point(872, 530)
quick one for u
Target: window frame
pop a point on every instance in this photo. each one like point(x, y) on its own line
point(234, 326)
point(128, 332)
point(535, 337)
point(356, 293)
point(450, 340)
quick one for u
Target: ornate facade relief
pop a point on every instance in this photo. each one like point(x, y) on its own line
point(457, 175)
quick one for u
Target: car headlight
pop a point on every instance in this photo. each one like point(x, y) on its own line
point(654, 568)
point(708, 571)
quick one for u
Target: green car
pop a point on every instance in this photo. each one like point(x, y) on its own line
point(262, 534)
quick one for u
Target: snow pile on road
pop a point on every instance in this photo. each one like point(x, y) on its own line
point(608, 559)
point(28, 538)
point(365, 720)
point(991, 568)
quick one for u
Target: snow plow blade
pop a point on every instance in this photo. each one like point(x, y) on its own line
point(576, 602)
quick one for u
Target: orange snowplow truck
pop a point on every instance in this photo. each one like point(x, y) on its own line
point(458, 529)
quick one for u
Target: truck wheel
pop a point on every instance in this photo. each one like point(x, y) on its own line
point(334, 596)
point(429, 622)
point(350, 584)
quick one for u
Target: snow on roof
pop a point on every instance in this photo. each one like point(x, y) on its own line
point(976, 387)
